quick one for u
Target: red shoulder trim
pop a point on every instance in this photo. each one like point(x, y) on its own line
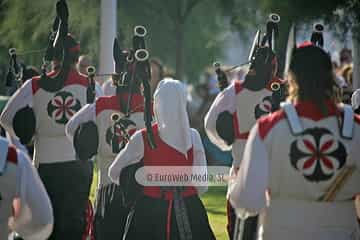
point(266, 123)
point(238, 86)
point(74, 77)
point(12, 155)
point(305, 44)
point(107, 102)
point(113, 103)
point(309, 110)
point(35, 81)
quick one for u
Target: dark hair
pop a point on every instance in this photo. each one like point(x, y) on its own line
point(345, 55)
point(312, 77)
point(159, 64)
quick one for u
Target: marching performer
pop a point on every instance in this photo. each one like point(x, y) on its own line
point(104, 127)
point(178, 212)
point(237, 107)
point(24, 204)
point(300, 168)
point(40, 109)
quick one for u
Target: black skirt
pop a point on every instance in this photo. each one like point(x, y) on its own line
point(150, 220)
point(110, 213)
point(68, 187)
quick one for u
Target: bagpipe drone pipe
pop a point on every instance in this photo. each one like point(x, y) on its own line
point(132, 70)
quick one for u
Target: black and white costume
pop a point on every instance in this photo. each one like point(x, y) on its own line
point(290, 160)
point(110, 213)
point(176, 145)
point(54, 154)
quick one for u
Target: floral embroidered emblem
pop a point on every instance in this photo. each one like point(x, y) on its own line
point(62, 107)
point(317, 154)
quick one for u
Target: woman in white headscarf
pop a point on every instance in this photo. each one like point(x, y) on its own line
point(177, 212)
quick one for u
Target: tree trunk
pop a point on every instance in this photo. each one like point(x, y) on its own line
point(179, 50)
point(107, 34)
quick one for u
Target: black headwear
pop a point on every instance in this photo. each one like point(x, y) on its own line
point(132, 69)
point(301, 55)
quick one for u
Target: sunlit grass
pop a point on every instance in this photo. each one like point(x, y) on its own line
point(215, 204)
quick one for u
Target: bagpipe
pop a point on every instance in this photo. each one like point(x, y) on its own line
point(261, 59)
point(24, 121)
point(62, 48)
point(15, 70)
point(18, 72)
point(132, 69)
point(14, 73)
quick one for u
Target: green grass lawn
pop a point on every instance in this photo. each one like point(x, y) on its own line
point(215, 204)
point(214, 201)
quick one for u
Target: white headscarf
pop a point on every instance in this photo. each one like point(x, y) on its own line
point(171, 115)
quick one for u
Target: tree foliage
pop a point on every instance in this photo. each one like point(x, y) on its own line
point(197, 23)
point(249, 14)
point(26, 24)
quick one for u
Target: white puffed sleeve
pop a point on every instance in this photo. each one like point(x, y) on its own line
point(22, 97)
point(34, 216)
point(225, 101)
point(248, 194)
point(199, 158)
point(132, 153)
point(85, 114)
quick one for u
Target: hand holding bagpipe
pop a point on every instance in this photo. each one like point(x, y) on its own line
point(90, 91)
